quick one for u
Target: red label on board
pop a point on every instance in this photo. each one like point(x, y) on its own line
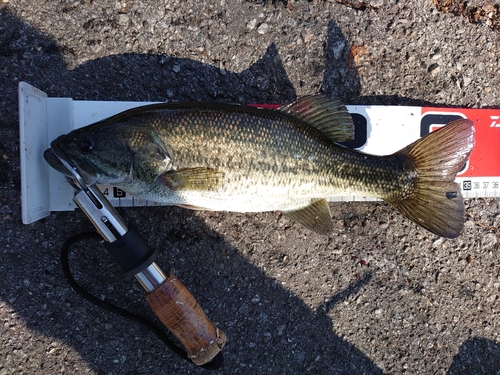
point(484, 160)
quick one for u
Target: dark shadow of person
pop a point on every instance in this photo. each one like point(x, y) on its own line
point(340, 79)
point(274, 333)
point(478, 356)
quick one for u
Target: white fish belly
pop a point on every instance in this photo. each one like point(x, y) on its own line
point(252, 199)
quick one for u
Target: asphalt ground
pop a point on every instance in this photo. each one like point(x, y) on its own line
point(380, 296)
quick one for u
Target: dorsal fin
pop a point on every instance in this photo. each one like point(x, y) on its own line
point(328, 116)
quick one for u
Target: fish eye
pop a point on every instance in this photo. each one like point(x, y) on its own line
point(86, 144)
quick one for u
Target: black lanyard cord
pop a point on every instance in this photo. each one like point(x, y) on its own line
point(212, 365)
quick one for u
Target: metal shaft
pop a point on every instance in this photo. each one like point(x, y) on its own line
point(111, 227)
point(151, 278)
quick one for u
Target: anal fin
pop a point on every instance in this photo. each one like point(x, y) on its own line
point(316, 216)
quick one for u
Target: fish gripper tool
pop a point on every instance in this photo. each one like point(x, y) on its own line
point(169, 299)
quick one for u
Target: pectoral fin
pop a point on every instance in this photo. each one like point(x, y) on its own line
point(193, 179)
point(316, 216)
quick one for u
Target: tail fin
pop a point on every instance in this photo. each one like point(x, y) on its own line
point(436, 202)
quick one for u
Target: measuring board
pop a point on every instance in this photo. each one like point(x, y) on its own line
point(380, 130)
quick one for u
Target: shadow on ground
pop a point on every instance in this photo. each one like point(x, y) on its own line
point(269, 328)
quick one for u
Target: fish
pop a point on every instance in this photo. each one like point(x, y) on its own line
point(228, 157)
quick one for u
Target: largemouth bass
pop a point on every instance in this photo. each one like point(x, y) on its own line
point(225, 157)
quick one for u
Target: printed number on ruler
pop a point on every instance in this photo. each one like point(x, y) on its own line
point(119, 198)
point(480, 187)
point(117, 192)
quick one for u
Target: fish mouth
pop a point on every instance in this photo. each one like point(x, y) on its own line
point(53, 157)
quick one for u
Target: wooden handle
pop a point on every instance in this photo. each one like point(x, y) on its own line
point(179, 311)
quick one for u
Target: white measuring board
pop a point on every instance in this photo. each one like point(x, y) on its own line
point(380, 130)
